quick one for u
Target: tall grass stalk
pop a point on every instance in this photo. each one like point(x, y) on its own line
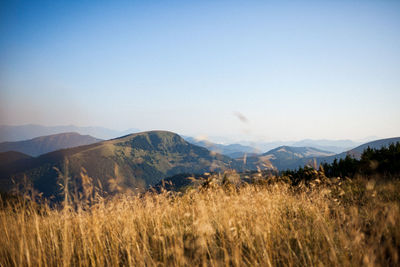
point(356, 223)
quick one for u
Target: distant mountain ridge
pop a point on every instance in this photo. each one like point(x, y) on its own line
point(45, 144)
point(10, 133)
point(336, 146)
point(357, 151)
point(231, 150)
point(132, 162)
point(137, 161)
point(283, 157)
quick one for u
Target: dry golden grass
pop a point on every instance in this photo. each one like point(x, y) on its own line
point(345, 224)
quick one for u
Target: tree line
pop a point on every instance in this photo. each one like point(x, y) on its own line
point(384, 161)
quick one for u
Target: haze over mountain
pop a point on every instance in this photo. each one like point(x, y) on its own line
point(132, 162)
point(336, 146)
point(44, 144)
point(10, 133)
point(231, 150)
point(236, 150)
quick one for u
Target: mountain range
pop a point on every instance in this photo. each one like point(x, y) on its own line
point(10, 133)
point(336, 146)
point(137, 161)
point(131, 162)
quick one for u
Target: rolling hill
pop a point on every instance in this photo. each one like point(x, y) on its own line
point(131, 162)
point(45, 144)
point(283, 157)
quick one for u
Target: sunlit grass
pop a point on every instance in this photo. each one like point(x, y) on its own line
point(350, 223)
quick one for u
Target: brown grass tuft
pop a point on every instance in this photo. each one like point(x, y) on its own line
point(271, 224)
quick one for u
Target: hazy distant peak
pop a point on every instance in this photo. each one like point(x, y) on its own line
point(13, 133)
point(298, 149)
point(231, 150)
point(44, 144)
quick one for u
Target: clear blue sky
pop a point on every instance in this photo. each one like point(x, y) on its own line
point(293, 69)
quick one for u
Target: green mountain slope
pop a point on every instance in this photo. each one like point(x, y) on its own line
point(131, 162)
point(45, 144)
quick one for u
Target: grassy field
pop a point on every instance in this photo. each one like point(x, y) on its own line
point(325, 223)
